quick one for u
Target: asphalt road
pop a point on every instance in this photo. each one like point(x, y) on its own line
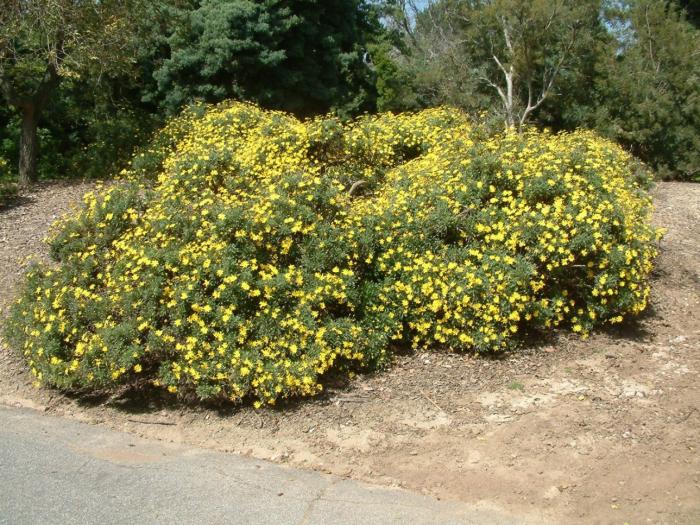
point(54, 470)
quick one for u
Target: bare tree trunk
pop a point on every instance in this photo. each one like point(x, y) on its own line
point(510, 105)
point(28, 146)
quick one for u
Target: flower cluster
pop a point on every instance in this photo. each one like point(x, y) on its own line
point(249, 253)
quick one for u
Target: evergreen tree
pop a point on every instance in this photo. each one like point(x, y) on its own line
point(304, 56)
point(649, 88)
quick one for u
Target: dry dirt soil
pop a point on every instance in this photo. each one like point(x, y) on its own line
point(565, 431)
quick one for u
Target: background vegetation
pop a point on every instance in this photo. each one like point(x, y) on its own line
point(83, 84)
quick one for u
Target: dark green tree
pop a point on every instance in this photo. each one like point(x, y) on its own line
point(649, 87)
point(692, 11)
point(304, 56)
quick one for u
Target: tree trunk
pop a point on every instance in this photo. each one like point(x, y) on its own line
point(28, 146)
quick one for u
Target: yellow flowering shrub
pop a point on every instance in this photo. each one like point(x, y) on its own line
point(248, 254)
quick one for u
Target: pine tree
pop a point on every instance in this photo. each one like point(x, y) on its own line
point(304, 56)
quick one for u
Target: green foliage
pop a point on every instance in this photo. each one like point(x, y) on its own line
point(504, 55)
point(251, 254)
point(304, 57)
point(394, 85)
point(46, 42)
point(41, 40)
point(627, 69)
point(649, 91)
point(8, 177)
point(87, 132)
point(8, 186)
point(691, 8)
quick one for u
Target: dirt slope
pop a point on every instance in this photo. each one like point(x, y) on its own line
point(597, 431)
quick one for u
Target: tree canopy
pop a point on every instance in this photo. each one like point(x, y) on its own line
point(648, 95)
point(45, 41)
point(302, 56)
